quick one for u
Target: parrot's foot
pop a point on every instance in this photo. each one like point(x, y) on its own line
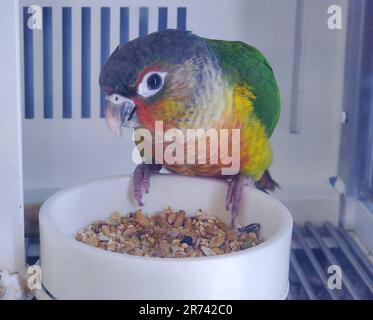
point(266, 183)
point(235, 189)
point(141, 179)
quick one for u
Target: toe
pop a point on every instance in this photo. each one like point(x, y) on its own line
point(228, 199)
point(137, 184)
point(146, 180)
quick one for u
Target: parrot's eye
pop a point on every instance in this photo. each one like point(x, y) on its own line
point(154, 81)
point(151, 83)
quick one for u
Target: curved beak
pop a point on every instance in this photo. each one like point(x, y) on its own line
point(119, 115)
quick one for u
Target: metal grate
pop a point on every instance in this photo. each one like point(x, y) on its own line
point(32, 249)
point(314, 249)
point(71, 25)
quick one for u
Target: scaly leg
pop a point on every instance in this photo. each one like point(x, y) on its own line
point(141, 179)
point(235, 189)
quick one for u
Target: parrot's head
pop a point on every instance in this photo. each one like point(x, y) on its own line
point(168, 76)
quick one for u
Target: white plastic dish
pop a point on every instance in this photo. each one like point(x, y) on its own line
point(73, 270)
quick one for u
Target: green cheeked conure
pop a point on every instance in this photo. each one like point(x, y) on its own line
point(190, 82)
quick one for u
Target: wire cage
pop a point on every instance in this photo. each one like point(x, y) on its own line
point(52, 69)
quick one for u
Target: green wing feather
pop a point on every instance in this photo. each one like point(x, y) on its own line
point(244, 64)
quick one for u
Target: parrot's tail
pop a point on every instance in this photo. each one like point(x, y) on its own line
point(266, 183)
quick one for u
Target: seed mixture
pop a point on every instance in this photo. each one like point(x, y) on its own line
point(169, 233)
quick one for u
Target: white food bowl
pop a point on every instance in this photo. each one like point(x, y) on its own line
point(73, 270)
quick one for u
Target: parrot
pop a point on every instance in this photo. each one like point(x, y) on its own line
point(189, 82)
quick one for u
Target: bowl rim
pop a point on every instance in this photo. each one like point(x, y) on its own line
point(44, 218)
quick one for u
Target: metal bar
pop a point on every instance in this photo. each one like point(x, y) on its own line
point(357, 251)
point(353, 82)
point(105, 49)
point(86, 63)
point(144, 21)
point(298, 70)
point(124, 25)
point(47, 63)
point(316, 265)
point(66, 62)
point(349, 255)
point(28, 52)
point(330, 256)
point(302, 278)
point(27, 245)
point(162, 18)
point(181, 18)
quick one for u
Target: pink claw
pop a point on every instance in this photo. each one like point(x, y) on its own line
point(234, 194)
point(141, 179)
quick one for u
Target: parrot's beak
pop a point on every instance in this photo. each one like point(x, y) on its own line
point(120, 112)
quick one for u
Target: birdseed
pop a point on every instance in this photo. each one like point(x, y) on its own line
point(168, 234)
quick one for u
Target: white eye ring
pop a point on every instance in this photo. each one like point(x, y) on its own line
point(116, 98)
point(145, 89)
